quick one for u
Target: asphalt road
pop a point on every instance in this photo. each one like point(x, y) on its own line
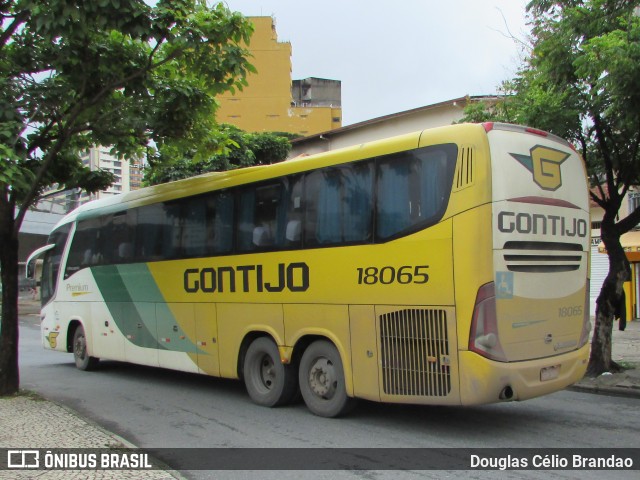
point(155, 408)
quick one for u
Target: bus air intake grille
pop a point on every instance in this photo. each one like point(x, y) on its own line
point(465, 168)
point(542, 257)
point(414, 348)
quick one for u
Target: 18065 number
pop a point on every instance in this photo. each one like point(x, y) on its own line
point(387, 275)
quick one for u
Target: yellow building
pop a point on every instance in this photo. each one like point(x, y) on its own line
point(272, 102)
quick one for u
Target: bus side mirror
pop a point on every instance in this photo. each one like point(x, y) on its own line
point(30, 266)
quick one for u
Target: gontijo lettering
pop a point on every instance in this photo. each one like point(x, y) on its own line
point(555, 225)
point(293, 277)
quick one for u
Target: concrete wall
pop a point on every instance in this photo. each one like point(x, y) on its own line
point(431, 116)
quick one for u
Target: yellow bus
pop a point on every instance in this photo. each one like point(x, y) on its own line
point(448, 266)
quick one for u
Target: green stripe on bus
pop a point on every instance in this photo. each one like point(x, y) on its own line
point(134, 319)
point(139, 308)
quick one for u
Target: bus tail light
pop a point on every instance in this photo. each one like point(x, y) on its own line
point(586, 320)
point(484, 338)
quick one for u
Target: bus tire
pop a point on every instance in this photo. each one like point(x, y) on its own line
point(80, 353)
point(321, 378)
point(269, 382)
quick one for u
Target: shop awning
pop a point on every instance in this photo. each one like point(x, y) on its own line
point(630, 241)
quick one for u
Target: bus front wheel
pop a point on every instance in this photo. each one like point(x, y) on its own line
point(80, 353)
point(269, 382)
point(321, 378)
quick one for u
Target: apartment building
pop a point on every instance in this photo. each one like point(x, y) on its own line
point(273, 102)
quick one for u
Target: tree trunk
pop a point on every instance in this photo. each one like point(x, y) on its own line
point(612, 290)
point(9, 373)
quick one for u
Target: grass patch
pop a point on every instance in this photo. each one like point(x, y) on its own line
point(627, 365)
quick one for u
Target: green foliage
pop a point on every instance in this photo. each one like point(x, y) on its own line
point(582, 82)
point(491, 111)
point(77, 73)
point(235, 149)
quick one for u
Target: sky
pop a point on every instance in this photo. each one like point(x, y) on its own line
point(398, 55)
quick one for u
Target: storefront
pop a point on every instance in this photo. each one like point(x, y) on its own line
point(630, 241)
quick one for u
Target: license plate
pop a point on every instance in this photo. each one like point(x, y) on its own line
point(549, 373)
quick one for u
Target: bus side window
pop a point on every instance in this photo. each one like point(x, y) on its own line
point(172, 232)
point(261, 217)
point(357, 197)
point(123, 235)
point(291, 234)
point(393, 198)
point(339, 205)
point(117, 236)
point(246, 220)
point(322, 200)
point(220, 222)
point(207, 224)
point(413, 189)
point(150, 233)
point(85, 246)
point(194, 226)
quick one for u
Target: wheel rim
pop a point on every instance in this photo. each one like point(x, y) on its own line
point(80, 347)
point(267, 372)
point(323, 379)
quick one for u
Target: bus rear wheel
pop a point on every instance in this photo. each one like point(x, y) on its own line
point(80, 353)
point(269, 382)
point(321, 378)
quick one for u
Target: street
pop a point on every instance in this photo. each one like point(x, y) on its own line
point(157, 408)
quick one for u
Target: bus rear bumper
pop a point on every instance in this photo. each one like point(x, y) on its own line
point(487, 381)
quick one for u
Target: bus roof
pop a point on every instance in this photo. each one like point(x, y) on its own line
point(221, 180)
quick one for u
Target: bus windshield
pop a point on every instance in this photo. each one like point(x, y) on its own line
point(51, 263)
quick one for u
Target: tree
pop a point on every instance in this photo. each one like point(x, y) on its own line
point(581, 81)
point(77, 73)
point(242, 149)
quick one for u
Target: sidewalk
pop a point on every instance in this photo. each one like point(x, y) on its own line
point(625, 351)
point(22, 417)
point(31, 422)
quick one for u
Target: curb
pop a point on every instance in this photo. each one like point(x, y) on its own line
point(628, 392)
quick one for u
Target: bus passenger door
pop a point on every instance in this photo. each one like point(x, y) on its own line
point(176, 330)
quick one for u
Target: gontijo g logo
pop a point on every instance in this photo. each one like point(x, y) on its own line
point(544, 163)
